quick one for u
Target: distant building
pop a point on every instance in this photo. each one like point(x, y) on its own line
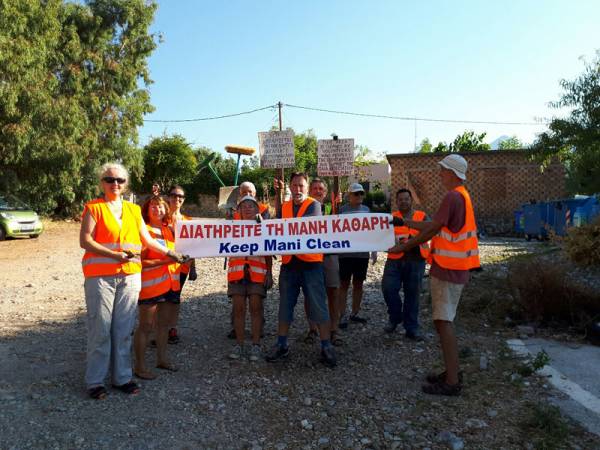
point(499, 182)
point(373, 177)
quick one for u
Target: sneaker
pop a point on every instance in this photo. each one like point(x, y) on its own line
point(236, 352)
point(278, 353)
point(343, 323)
point(442, 388)
point(414, 337)
point(173, 336)
point(328, 357)
point(356, 318)
point(390, 327)
point(255, 353)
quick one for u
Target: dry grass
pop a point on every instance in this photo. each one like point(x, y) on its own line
point(582, 244)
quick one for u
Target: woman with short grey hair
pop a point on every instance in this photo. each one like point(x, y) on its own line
point(112, 235)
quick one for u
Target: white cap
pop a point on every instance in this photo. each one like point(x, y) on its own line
point(246, 197)
point(356, 187)
point(456, 164)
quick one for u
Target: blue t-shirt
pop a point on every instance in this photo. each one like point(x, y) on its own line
point(347, 209)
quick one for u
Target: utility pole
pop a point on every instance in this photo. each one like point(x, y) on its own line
point(281, 174)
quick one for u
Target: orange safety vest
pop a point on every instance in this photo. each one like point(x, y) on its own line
point(287, 212)
point(257, 267)
point(158, 280)
point(404, 233)
point(109, 234)
point(458, 251)
point(261, 209)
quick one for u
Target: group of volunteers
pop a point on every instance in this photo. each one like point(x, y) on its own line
point(130, 261)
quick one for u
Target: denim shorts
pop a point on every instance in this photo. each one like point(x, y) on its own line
point(312, 282)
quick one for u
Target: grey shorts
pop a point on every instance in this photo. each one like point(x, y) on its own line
point(246, 288)
point(444, 298)
point(331, 267)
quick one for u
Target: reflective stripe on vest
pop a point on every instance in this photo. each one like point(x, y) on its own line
point(287, 212)
point(257, 268)
point(404, 233)
point(458, 251)
point(158, 280)
point(113, 236)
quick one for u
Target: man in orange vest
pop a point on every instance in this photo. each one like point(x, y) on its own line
point(304, 272)
point(454, 249)
point(405, 271)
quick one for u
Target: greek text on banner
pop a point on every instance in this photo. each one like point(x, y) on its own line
point(319, 234)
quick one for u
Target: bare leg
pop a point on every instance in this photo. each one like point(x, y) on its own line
point(147, 315)
point(357, 295)
point(256, 308)
point(332, 303)
point(449, 349)
point(166, 318)
point(239, 317)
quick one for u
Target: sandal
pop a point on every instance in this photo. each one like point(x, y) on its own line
point(168, 366)
point(130, 388)
point(311, 337)
point(336, 339)
point(97, 393)
point(442, 388)
point(434, 378)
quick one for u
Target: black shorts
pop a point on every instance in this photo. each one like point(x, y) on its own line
point(173, 297)
point(355, 268)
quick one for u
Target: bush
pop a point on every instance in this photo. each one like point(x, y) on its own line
point(582, 244)
point(375, 200)
point(545, 293)
point(545, 426)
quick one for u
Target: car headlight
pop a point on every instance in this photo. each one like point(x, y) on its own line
point(7, 216)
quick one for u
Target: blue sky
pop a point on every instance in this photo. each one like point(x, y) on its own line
point(472, 60)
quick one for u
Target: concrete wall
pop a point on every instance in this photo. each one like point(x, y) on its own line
point(499, 183)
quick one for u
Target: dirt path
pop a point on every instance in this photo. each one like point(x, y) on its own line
point(372, 400)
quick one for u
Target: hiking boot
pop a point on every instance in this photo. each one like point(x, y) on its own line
point(278, 353)
point(173, 336)
point(255, 353)
point(328, 357)
point(357, 319)
point(390, 327)
point(236, 352)
point(442, 388)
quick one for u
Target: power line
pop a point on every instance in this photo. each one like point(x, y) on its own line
point(199, 119)
point(419, 119)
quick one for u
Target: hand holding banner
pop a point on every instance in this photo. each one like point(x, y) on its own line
point(316, 234)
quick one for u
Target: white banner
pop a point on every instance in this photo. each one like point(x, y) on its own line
point(347, 233)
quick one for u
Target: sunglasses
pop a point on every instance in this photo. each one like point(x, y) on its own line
point(358, 193)
point(111, 180)
point(181, 196)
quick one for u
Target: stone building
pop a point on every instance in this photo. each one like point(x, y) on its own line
point(499, 182)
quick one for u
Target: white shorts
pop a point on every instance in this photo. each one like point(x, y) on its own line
point(444, 298)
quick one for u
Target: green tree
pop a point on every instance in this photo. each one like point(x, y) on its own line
point(204, 181)
point(72, 94)
point(469, 142)
point(512, 143)
point(168, 160)
point(575, 139)
point(306, 152)
point(425, 146)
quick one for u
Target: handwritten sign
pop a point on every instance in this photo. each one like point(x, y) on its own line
point(316, 234)
point(276, 149)
point(335, 157)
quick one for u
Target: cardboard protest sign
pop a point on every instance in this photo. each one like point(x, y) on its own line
point(335, 157)
point(316, 234)
point(228, 197)
point(276, 149)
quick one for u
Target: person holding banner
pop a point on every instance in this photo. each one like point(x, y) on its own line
point(454, 249)
point(405, 271)
point(159, 299)
point(301, 271)
point(318, 191)
point(249, 278)
point(353, 266)
point(188, 270)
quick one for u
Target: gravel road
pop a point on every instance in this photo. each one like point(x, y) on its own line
point(371, 400)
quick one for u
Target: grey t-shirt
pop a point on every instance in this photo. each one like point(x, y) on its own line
point(347, 209)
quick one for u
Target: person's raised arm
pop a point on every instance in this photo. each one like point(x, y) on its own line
point(151, 243)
